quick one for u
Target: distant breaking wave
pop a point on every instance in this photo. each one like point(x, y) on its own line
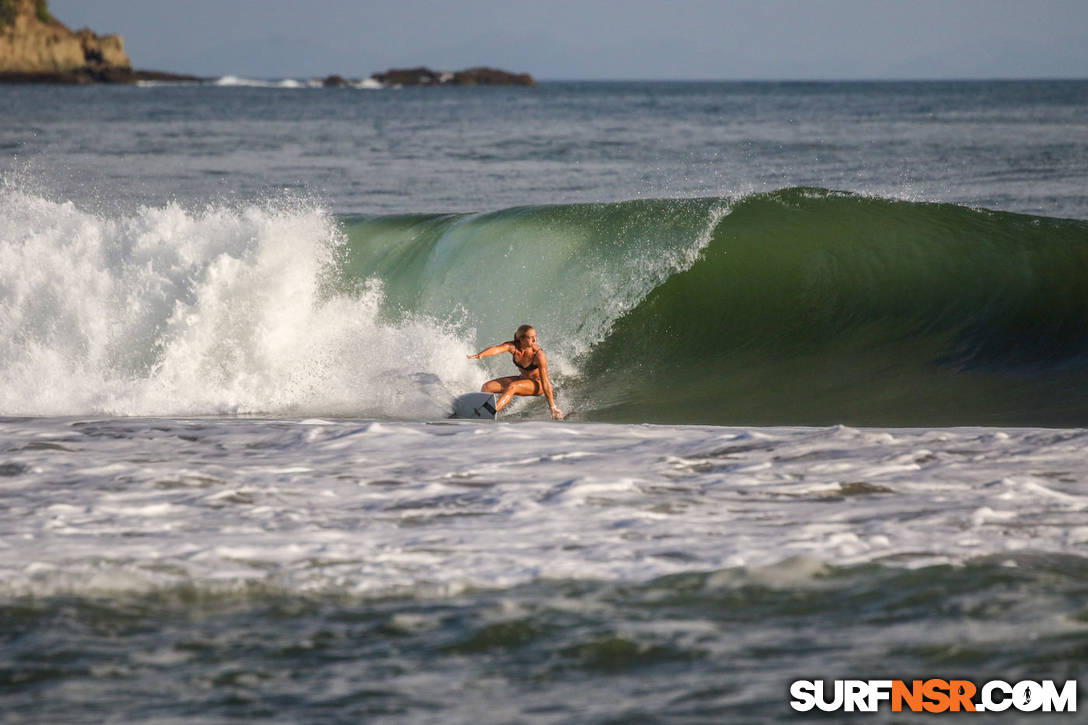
point(251, 83)
point(291, 83)
point(800, 306)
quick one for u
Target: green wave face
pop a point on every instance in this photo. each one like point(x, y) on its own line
point(568, 270)
point(801, 306)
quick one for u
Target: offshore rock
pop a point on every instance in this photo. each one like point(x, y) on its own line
point(424, 76)
point(410, 77)
point(491, 77)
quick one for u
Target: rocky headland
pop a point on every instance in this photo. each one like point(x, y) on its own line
point(35, 47)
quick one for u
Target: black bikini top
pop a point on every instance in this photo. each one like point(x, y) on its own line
point(525, 368)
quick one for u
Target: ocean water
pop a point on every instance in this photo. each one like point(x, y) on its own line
point(822, 348)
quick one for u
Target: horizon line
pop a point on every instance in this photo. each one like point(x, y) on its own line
point(783, 79)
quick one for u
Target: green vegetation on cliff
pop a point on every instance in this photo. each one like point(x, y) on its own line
point(8, 11)
point(41, 9)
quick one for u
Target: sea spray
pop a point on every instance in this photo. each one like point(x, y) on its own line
point(220, 310)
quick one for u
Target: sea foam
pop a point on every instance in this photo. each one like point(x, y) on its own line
point(220, 310)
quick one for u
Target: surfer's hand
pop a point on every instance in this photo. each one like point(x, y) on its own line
point(556, 413)
point(473, 357)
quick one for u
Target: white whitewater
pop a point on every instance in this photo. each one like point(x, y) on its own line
point(104, 507)
point(169, 311)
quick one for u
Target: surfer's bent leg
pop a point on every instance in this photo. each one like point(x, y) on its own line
point(516, 386)
point(498, 385)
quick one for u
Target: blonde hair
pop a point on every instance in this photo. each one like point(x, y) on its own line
point(521, 334)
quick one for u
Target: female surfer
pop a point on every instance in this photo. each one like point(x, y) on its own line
point(533, 364)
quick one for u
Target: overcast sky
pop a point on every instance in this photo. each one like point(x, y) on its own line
point(601, 39)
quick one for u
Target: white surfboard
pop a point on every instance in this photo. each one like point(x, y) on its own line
point(480, 406)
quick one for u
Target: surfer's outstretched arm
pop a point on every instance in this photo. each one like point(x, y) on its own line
point(493, 350)
point(546, 384)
